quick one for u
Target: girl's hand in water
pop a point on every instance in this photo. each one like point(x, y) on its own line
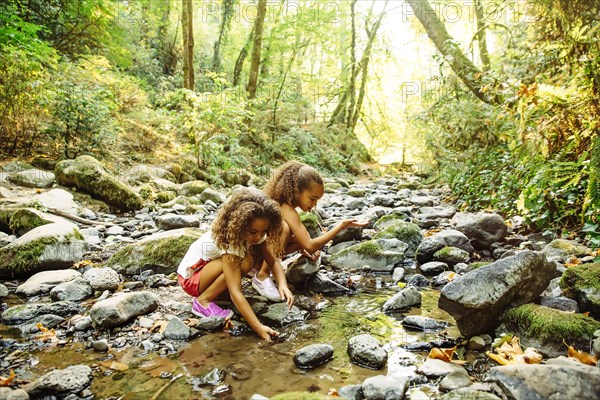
point(266, 332)
point(286, 295)
point(347, 223)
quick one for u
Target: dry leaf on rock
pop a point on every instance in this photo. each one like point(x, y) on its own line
point(442, 354)
point(511, 353)
point(581, 356)
point(6, 381)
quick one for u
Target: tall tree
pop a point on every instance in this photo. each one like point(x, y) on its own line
point(258, 30)
point(187, 24)
point(468, 73)
point(227, 9)
point(481, 36)
point(239, 62)
point(166, 46)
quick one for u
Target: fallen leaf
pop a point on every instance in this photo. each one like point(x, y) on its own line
point(228, 325)
point(573, 262)
point(159, 326)
point(117, 366)
point(7, 381)
point(46, 333)
point(500, 359)
point(581, 356)
point(81, 264)
point(157, 366)
point(510, 353)
point(586, 314)
point(442, 354)
point(431, 232)
point(333, 393)
point(401, 285)
point(451, 276)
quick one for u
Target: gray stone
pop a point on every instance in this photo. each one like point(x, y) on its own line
point(397, 274)
point(357, 204)
point(434, 368)
point(437, 212)
point(476, 391)
point(562, 250)
point(211, 324)
point(443, 279)
point(301, 270)
point(122, 307)
point(3, 291)
point(209, 194)
point(423, 323)
point(47, 320)
point(100, 346)
point(75, 290)
point(366, 351)
point(32, 178)
point(477, 299)
point(348, 235)
point(313, 355)
point(175, 221)
point(6, 193)
point(377, 254)
point(351, 392)
point(115, 230)
point(278, 314)
point(476, 343)
point(433, 267)
point(340, 246)
point(102, 278)
point(421, 200)
point(407, 297)
point(43, 282)
point(58, 199)
point(82, 323)
point(50, 246)
point(70, 379)
point(7, 393)
point(321, 283)
point(447, 237)
point(381, 387)
point(176, 330)
point(566, 380)
point(560, 303)
point(25, 312)
point(455, 380)
point(596, 344)
point(193, 188)
point(483, 228)
point(451, 255)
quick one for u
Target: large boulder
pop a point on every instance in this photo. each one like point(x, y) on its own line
point(33, 178)
point(122, 307)
point(23, 220)
point(367, 351)
point(446, 238)
point(89, 175)
point(477, 299)
point(483, 228)
point(558, 379)
point(43, 282)
point(380, 255)
point(50, 246)
point(72, 379)
point(582, 284)
point(161, 252)
point(58, 199)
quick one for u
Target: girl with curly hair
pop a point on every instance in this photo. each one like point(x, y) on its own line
point(246, 232)
point(296, 185)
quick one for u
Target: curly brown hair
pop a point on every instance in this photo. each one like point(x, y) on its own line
point(289, 180)
point(243, 206)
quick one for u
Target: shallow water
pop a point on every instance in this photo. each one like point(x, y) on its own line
point(254, 366)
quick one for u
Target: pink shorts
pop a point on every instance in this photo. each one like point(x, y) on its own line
point(191, 284)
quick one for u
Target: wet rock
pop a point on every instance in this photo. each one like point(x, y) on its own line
point(32, 178)
point(43, 282)
point(580, 283)
point(451, 255)
point(562, 250)
point(478, 298)
point(75, 290)
point(558, 379)
point(175, 221)
point(24, 312)
point(476, 391)
point(476, 343)
point(47, 320)
point(82, 323)
point(89, 175)
point(433, 267)
point(313, 355)
point(366, 351)
point(483, 228)
point(211, 324)
point(351, 392)
point(3, 291)
point(161, 252)
point(434, 368)
point(443, 279)
point(398, 274)
point(321, 283)
point(560, 303)
point(176, 330)
point(407, 297)
point(417, 280)
point(423, 323)
point(58, 199)
point(214, 377)
point(102, 278)
point(50, 246)
point(278, 314)
point(61, 382)
point(7, 393)
point(445, 238)
point(101, 346)
point(406, 232)
point(455, 380)
point(382, 387)
point(377, 254)
point(349, 234)
point(120, 308)
point(301, 270)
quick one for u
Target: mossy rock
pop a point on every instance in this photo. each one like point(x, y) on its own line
point(451, 255)
point(165, 196)
point(478, 264)
point(355, 192)
point(549, 326)
point(311, 223)
point(49, 246)
point(331, 187)
point(89, 175)
point(582, 284)
point(404, 231)
point(371, 253)
point(193, 188)
point(161, 252)
point(25, 219)
point(388, 220)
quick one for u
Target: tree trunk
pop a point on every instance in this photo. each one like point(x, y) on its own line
point(187, 24)
point(470, 75)
point(481, 37)
point(239, 63)
point(254, 67)
point(227, 8)
point(353, 66)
